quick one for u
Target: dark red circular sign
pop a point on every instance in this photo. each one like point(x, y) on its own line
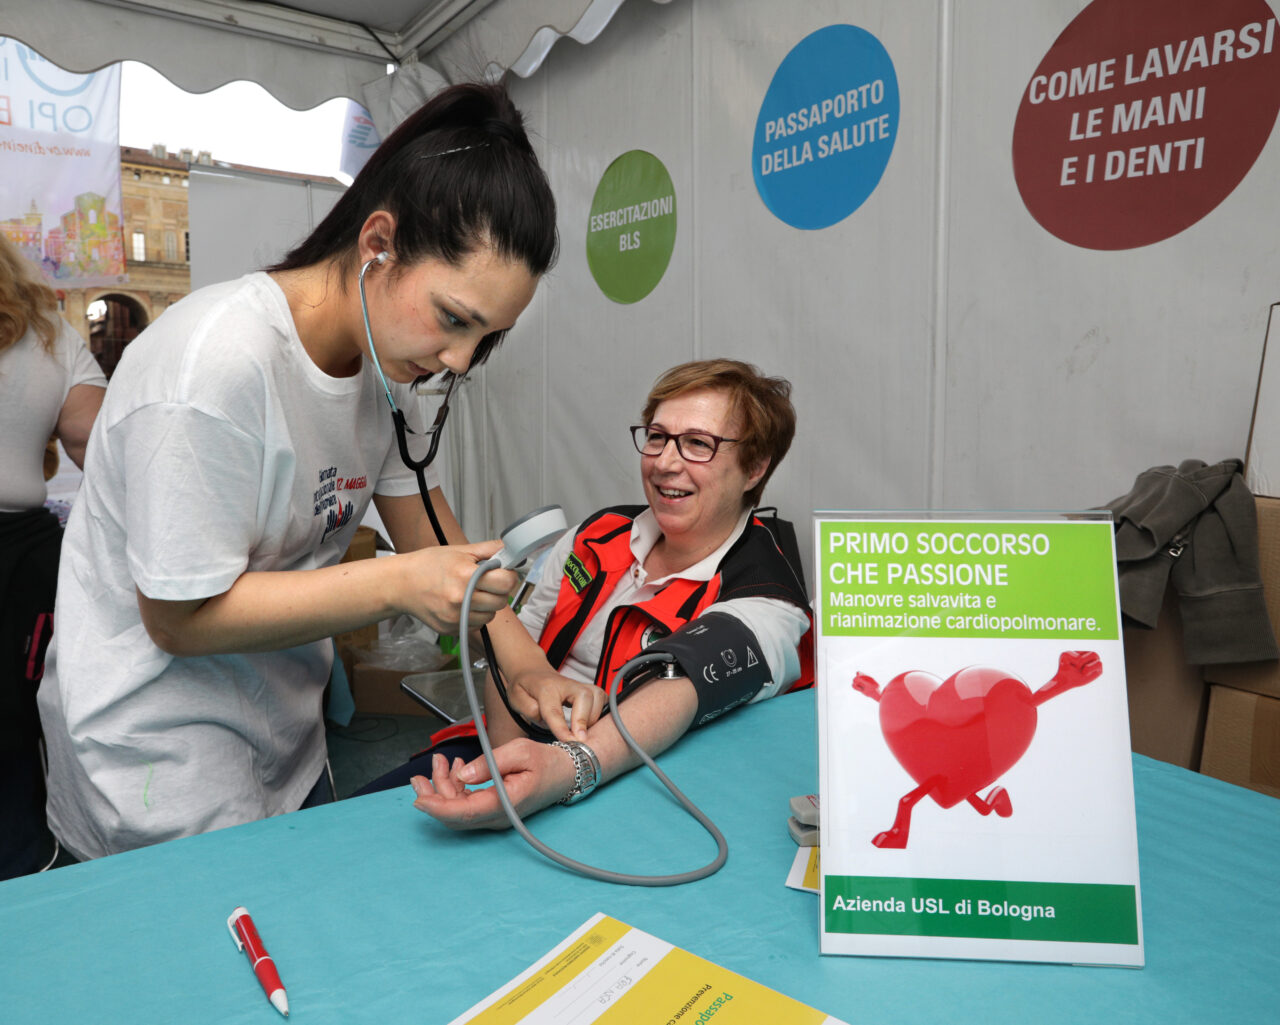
point(1144, 115)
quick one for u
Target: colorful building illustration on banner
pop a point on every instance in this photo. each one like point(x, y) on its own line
point(86, 243)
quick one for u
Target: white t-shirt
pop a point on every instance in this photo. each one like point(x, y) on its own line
point(33, 386)
point(778, 625)
point(221, 448)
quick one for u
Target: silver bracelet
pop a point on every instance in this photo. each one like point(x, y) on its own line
point(586, 770)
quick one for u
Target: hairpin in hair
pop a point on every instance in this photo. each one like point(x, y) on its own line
point(456, 149)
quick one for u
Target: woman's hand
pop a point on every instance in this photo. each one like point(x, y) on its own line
point(535, 775)
point(434, 581)
point(542, 695)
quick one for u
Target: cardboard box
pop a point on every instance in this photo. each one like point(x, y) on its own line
point(350, 654)
point(1242, 739)
point(1242, 731)
point(376, 691)
point(1168, 699)
point(1260, 677)
point(1242, 725)
point(363, 545)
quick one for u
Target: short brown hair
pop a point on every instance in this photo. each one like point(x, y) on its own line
point(762, 403)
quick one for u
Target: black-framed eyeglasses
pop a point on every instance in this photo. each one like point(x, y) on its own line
point(695, 446)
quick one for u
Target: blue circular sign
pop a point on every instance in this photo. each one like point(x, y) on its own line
point(826, 127)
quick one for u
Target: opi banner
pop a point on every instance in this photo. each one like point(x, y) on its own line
point(60, 144)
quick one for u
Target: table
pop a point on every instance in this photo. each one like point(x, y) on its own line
point(375, 913)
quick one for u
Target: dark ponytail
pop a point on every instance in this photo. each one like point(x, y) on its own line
point(458, 173)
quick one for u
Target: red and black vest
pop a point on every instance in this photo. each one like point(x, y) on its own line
point(753, 567)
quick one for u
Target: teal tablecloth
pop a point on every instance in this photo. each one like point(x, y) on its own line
point(376, 914)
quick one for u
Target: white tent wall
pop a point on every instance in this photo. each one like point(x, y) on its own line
point(679, 82)
point(1070, 370)
point(844, 313)
point(946, 350)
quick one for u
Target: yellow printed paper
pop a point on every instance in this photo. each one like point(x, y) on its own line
point(559, 971)
point(806, 870)
point(611, 974)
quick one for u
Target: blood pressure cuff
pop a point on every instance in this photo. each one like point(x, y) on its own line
point(721, 657)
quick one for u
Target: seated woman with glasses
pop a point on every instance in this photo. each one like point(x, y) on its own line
point(714, 431)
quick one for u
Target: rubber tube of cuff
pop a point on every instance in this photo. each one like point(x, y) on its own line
point(517, 823)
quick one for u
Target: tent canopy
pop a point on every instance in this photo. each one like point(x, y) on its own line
point(312, 50)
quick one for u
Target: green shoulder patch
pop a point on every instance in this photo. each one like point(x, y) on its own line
point(577, 573)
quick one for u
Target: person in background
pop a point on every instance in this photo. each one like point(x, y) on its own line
point(50, 387)
point(713, 432)
point(244, 435)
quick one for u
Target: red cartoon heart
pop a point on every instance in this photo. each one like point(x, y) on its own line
point(961, 734)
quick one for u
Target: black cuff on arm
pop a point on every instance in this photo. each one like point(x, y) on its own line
point(722, 658)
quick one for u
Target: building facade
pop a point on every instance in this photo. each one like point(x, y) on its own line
point(157, 250)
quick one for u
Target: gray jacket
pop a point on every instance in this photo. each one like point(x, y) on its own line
point(1195, 526)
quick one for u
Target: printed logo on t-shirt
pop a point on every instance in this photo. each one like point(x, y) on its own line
point(328, 502)
point(337, 518)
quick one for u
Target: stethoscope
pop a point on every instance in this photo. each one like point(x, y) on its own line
point(419, 468)
point(435, 431)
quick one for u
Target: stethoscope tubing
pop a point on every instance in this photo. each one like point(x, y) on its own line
point(368, 330)
point(397, 415)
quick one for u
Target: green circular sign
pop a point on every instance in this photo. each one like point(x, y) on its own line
point(632, 228)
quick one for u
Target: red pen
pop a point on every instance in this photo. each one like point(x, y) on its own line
point(245, 933)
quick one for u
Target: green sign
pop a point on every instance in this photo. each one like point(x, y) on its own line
point(632, 228)
point(992, 909)
point(967, 579)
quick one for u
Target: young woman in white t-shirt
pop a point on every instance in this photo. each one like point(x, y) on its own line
point(243, 437)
